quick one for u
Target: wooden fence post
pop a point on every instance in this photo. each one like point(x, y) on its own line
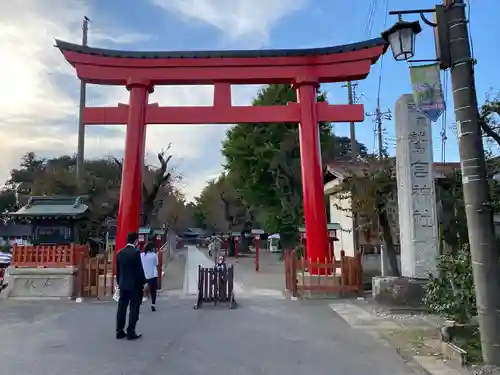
point(294, 274)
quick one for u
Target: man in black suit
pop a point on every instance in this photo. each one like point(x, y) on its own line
point(131, 279)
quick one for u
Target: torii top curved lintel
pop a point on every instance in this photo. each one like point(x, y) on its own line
point(327, 64)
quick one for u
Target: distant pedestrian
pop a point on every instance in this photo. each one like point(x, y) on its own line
point(131, 279)
point(149, 260)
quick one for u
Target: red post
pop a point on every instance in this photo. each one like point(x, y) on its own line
point(236, 240)
point(133, 163)
point(257, 251)
point(312, 174)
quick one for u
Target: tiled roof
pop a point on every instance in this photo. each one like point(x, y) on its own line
point(52, 206)
point(65, 46)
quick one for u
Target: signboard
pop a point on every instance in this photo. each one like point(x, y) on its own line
point(257, 231)
point(427, 90)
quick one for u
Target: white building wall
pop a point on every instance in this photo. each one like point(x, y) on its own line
point(343, 217)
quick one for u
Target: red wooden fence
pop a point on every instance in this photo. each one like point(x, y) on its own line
point(47, 256)
point(342, 276)
point(95, 276)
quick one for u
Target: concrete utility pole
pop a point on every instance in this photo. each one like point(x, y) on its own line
point(80, 156)
point(352, 100)
point(482, 238)
point(379, 117)
point(354, 156)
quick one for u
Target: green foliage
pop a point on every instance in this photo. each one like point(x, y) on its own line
point(221, 207)
point(489, 120)
point(264, 162)
point(451, 294)
point(8, 200)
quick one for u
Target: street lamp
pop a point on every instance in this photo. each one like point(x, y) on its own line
point(401, 37)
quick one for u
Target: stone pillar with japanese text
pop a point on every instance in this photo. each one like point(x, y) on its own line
point(418, 223)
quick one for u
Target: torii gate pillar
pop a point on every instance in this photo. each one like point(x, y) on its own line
point(312, 172)
point(133, 161)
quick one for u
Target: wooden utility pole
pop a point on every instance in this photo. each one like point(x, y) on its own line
point(80, 156)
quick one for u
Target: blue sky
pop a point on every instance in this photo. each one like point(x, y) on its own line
point(190, 25)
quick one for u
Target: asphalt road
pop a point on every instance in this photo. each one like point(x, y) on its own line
point(263, 336)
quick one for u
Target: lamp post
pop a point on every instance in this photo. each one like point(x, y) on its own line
point(453, 48)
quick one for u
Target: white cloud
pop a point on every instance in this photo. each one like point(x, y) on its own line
point(250, 20)
point(39, 91)
point(102, 38)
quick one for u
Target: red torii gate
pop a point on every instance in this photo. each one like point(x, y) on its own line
point(306, 69)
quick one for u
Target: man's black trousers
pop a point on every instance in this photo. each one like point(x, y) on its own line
point(132, 298)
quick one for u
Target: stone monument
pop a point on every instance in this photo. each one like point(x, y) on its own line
point(418, 225)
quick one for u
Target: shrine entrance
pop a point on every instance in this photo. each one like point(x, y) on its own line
point(305, 69)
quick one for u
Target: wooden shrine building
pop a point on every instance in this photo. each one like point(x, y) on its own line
point(54, 220)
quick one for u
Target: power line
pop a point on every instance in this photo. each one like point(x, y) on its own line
point(379, 116)
point(354, 12)
point(372, 10)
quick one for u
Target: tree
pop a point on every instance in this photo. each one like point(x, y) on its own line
point(370, 187)
point(489, 114)
point(264, 163)
point(222, 207)
point(173, 211)
point(452, 221)
point(154, 179)
point(8, 202)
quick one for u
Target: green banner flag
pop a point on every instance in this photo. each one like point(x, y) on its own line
point(427, 90)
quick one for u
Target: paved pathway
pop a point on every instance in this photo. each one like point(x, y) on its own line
point(261, 337)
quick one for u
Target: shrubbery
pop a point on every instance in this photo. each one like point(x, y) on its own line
point(451, 293)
